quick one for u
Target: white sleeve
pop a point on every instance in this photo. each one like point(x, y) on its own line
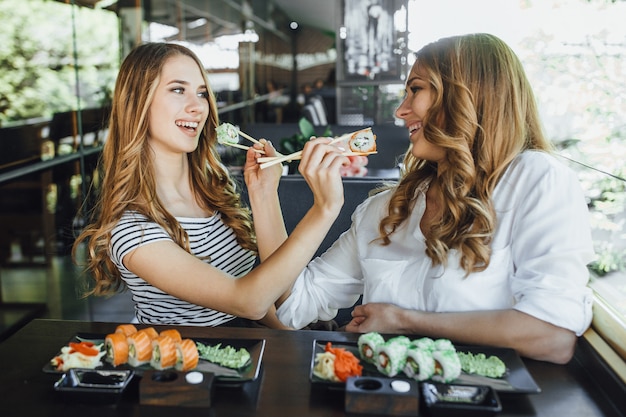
point(330, 282)
point(551, 248)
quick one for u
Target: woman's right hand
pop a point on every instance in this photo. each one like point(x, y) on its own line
point(320, 167)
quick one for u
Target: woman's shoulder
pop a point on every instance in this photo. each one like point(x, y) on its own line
point(541, 161)
point(374, 204)
point(535, 165)
point(537, 172)
point(132, 218)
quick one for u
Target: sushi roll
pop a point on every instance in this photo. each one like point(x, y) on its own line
point(150, 332)
point(368, 343)
point(444, 344)
point(187, 355)
point(116, 348)
point(126, 329)
point(391, 356)
point(139, 348)
point(363, 141)
point(424, 343)
point(227, 134)
point(420, 364)
point(173, 333)
point(163, 353)
point(447, 365)
point(403, 340)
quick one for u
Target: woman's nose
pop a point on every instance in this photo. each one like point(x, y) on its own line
point(402, 110)
point(197, 104)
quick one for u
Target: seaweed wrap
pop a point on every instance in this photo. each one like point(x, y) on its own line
point(424, 343)
point(420, 364)
point(391, 356)
point(447, 365)
point(368, 343)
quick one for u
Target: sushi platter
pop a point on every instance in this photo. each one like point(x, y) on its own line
point(516, 378)
point(224, 376)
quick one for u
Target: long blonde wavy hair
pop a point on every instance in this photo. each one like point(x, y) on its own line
point(483, 114)
point(127, 171)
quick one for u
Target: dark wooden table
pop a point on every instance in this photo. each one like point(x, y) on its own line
point(282, 389)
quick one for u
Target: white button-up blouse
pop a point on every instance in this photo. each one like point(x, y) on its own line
point(540, 249)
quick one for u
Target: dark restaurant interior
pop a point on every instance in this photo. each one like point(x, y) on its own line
point(281, 70)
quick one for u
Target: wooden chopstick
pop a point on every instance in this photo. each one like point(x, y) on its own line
point(250, 138)
point(265, 159)
point(297, 155)
point(236, 145)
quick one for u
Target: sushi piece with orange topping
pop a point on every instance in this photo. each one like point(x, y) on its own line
point(126, 329)
point(139, 348)
point(163, 353)
point(150, 331)
point(187, 355)
point(116, 348)
point(173, 333)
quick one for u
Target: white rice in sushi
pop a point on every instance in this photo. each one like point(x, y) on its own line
point(420, 364)
point(447, 365)
point(391, 356)
point(368, 343)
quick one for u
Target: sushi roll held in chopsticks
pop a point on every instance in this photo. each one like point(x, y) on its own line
point(163, 353)
point(363, 141)
point(227, 134)
point(116, 348)
point(368, 343)
point(391, 355)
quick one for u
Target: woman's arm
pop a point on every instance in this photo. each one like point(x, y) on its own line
point(251, 296)
point(262, 185)
point(531, 337)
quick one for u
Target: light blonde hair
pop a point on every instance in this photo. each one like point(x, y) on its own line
point(127, 171)
point(483, 114)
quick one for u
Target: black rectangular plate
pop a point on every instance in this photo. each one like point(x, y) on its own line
point(224, 376)
point(516, 380)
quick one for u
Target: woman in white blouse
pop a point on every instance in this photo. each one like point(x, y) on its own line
point(484, 240)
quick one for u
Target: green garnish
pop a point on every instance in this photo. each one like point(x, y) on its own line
point(480, 364)
point(226, 356)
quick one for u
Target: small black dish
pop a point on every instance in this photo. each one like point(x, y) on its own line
point(452, 400)
point(94, 385)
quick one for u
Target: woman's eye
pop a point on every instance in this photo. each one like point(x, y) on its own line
point(414, 89)
point(204, 94)
point(178, 90)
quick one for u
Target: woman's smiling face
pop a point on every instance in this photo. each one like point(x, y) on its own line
point(417, 100)
point(180, 107)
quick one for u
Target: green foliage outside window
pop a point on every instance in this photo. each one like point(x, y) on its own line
point(38, 76)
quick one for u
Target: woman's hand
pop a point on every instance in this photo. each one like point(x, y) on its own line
point(320, 166)
point(376, 317)
point(261, 180)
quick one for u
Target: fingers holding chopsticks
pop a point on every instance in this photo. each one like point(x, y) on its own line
point(320, 167)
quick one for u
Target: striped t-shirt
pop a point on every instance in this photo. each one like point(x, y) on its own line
point(209, 239)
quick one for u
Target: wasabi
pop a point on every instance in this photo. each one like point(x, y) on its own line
point(480, 364)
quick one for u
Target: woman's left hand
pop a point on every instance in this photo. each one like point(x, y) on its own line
point(376, 317)
point(257, 179)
